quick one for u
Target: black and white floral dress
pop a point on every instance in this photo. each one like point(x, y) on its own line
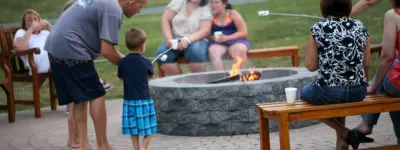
point(341, 43)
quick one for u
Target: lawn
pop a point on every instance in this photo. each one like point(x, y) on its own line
point(271, 31)
point(11, 10)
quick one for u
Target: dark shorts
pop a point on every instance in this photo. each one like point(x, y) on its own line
point(75, 80)
point(320, 95)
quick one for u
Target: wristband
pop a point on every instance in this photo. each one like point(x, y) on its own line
point(187, 39)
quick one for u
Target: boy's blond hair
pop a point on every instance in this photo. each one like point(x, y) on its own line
point(134, 39)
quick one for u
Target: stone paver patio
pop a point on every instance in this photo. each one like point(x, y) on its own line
point(49, 133)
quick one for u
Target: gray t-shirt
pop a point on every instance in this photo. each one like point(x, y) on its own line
point(78, 32)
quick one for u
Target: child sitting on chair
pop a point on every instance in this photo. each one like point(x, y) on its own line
point(138, 114)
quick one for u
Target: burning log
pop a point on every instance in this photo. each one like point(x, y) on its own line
point(236, 74)
point(226, 79)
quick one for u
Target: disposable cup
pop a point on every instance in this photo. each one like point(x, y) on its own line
point(174, 44)
point(217, 34)
point(291, 93)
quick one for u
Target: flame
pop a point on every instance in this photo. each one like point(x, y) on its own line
point(236, 67)
point(252, 75)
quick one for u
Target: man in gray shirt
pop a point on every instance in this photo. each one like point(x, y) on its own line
point(87, 29)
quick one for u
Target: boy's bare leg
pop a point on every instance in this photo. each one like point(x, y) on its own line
point(80, 116)
point(135, 142)
point(73, 133)
point(99, 117)
point(146, 142)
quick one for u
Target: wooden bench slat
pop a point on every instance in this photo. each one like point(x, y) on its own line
point(334, 106)
point(344, 111)
point(298, 102)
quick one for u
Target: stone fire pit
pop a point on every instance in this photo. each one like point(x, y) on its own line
point(187, 105)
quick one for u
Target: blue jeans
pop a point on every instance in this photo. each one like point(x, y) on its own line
point(195, 53)
point(388, 88)
point(322, 95)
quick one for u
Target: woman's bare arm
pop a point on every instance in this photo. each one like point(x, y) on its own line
point(240, 25)
point(362, 5)
point(312, 55)
point(388, 53)
point(166, 24)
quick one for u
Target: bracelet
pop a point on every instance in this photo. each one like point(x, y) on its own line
point(187, 39)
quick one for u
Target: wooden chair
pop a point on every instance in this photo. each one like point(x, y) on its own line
point(21, 74)
point(7, 84)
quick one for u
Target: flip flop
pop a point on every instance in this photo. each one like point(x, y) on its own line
point(106, 85)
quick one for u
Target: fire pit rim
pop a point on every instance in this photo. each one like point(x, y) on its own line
point(170, 82)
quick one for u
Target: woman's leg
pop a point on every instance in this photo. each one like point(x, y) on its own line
point(238, 51)
point(169, 65)
point(369, 120)
point(196, 55)
point(215, 53)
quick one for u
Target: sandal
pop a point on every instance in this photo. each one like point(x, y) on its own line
point(106, 85)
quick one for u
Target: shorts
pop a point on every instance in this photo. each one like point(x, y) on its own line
point(139, 117)
point(75, 80)
point(323, 95)
point(197, 52)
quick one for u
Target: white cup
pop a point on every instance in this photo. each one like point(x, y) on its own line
point(291, 93)
point(174, 44)
point(217, 34)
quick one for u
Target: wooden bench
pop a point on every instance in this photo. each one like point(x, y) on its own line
point(292, 51)
point(284, 113)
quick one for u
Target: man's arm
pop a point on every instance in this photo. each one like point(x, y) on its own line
point(362, 5)
point(109, 52)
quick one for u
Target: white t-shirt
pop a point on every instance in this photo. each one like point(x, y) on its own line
point(183, 25)
point(36, 41)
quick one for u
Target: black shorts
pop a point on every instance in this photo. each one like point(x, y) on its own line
point(75, 80)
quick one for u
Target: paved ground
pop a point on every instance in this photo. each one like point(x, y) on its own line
point(49, 133)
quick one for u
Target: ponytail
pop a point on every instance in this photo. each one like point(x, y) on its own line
point(228, 6)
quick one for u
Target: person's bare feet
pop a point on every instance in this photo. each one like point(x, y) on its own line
point(73, 144)
point(364, 127)
point(342, 145)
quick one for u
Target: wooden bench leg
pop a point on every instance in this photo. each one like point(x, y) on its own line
point(295, 59)
point(263, 125)
point(161, 72)
point(284, 132)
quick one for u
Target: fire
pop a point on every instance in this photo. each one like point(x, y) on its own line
point(252, 75)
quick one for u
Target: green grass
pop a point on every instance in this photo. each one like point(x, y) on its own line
point(271, 31)
point(12, 10)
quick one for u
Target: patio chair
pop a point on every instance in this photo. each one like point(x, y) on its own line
point(20, 73)
point(6, 84)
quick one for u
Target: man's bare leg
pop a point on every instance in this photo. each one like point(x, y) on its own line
point(80, 116)
point(99, 117)
point(73, 134)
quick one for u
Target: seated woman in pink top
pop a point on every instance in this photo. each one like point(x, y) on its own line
point(387, 78)
point(234, 34)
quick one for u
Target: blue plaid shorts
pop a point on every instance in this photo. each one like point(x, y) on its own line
point(139, 117)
